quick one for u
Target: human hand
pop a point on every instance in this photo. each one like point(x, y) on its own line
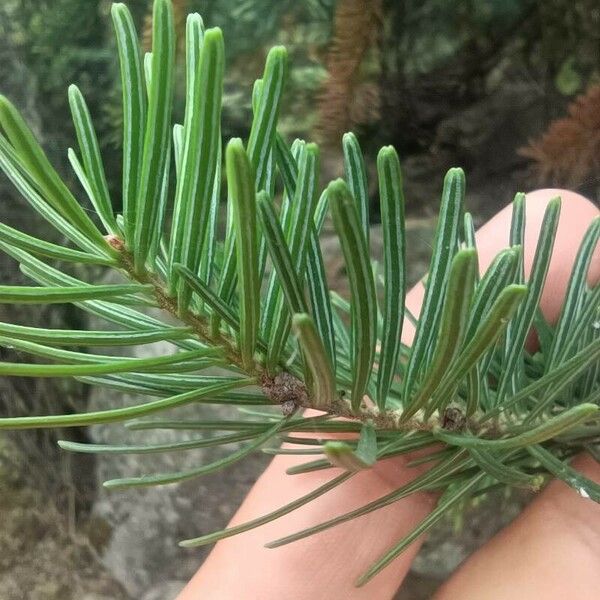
point(552, 550)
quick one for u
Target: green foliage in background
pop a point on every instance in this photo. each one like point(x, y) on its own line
point(250, 28)
point(456, 44)
point(52, 53)
point(256, 302)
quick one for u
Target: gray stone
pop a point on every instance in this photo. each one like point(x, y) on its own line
point(458, 535)
point(419, 233)
point(164, 591)
point(147, 523)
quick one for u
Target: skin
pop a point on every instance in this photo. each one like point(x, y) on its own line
point(552, 550)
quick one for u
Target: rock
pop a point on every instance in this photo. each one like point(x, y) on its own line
point(165, 591)
point(485, 135)
point(40, 557)
point(419, 233)
point(416, 587)
point(484, 140)
point(457, 536)
point(147, 523)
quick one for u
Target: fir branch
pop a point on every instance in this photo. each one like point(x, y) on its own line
point(506, 417)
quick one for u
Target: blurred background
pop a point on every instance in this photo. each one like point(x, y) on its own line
point(507, 89)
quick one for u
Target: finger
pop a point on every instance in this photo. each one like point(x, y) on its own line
point(326, 565)
point(576, 215)
point(577, 212)
point(551, 551)
point(323, 566)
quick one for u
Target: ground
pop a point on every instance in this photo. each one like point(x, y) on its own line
point(43, 557)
